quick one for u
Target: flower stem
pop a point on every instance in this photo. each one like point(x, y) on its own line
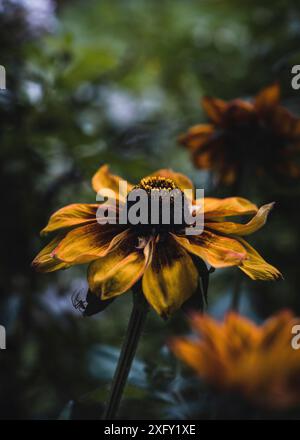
point(134, 330)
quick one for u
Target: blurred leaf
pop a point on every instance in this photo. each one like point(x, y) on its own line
point(102, 361)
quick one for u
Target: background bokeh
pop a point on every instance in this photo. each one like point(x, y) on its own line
point(93, 82)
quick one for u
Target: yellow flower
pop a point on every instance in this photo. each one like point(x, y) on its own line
point(259, 134)
point(161, 257)
point(238, 356)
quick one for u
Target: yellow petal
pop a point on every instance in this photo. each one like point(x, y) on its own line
point(44, 262)
point(268, 97)
point(214, 108)
point(216, 250)
point(170, 279)
point(104, 179)
point(86, 243)
point(71, 215)
point(256, 267)
point(227, 207)
point(253, 225)
point(117, 272)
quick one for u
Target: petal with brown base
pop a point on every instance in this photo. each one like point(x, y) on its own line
point(70, 216)
point(44, 262)
point(118, 271)
point(170, 279)
point(256, 267)
point(216, 250)
point(86, 243)
point(253, 225)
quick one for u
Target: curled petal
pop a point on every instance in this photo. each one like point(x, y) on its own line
point(86, 243)
point(216, 250)
point(44, 262)
point(170, 279)
point(118, 271)
point(70, 216)
point(256, 267)
point(253, 225)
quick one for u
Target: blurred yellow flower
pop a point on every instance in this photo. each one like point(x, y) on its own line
point(239, 356)
point(260, 134)
point(121, 254)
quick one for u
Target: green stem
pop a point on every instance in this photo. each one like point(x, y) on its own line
point(134, 330)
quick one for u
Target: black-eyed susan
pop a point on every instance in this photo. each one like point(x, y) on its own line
point(239, 357)
point(260, 135)
point(161, 256)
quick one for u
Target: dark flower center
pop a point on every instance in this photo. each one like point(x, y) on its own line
point(157, 183)
point(158, 204)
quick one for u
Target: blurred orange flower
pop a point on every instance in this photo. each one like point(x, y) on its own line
point(162, 256)
point(239, 356)
point(260, 135)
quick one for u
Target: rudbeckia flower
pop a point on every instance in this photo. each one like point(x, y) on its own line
point(162, 257)
point(259, 134)
point(239, 357)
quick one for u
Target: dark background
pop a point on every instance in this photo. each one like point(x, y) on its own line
point(92, 82)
